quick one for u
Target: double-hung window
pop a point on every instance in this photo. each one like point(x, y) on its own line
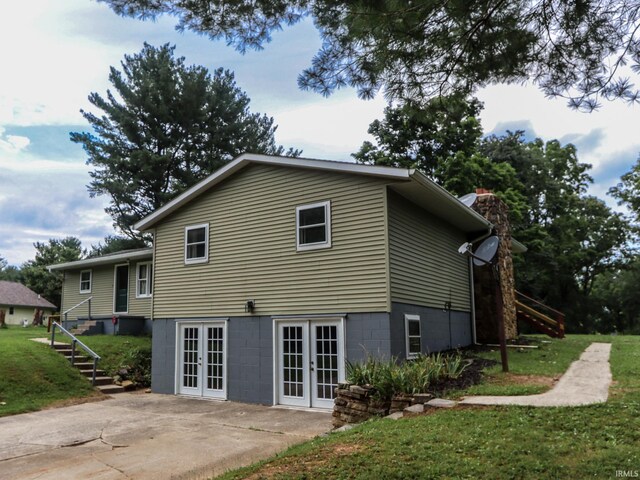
point(85, 281)
point(413, 338)
point(313, 226)
point(144, 279)
point(196, 243)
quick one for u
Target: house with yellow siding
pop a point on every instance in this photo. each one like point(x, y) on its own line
point(20, 303)
point(111, 293)
point(269, 275)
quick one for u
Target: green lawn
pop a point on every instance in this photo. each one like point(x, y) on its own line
point(529, 367)
point(33, 376)
point(488, 442)
point(117, 351)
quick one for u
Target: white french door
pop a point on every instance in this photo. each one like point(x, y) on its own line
point(202, 359)
point(310, 362)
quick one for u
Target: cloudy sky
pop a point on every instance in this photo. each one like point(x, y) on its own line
point(54, 53)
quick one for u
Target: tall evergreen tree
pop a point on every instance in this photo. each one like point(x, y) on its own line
point(424, 48)
point(166, 126)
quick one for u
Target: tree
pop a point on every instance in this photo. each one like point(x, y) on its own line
point(426, 48)
point(627, 191)
point(572, 239)
point(114, 244)
point(442, 139)
point(36, 275)
point(8, 272)
point(165, 127)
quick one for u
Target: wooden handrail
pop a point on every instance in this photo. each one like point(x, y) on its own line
point(547, 307)
point(536, 314)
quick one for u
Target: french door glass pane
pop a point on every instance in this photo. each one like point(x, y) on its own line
point(292, 361)
point(326, 361)
point(190, 366)
point(214, 358)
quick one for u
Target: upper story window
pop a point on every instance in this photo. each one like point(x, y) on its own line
point(144, 282)
point(413, 337)
point(313, 226)
point(196, 243)
point(85, 281)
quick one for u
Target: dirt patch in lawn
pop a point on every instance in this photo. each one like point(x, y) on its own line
point(512, 379)
point(68, 402)
point(324, 456)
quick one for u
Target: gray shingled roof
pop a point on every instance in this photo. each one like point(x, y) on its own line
point(16, 294)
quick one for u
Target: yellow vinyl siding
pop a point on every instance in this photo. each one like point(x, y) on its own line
point(22, 313)
point(101, 292)
point(252, 247)
point(425, 266)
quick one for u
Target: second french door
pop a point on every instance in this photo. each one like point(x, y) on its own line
point(310, 362)
point(202, 359)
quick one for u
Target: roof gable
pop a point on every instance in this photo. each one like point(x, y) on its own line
point(429, 195)
point(16, 294)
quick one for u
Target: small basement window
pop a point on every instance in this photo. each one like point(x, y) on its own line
point(313, 226)
point(196, 243)
point(144, 280)
point(414, 339)
point(85, 281)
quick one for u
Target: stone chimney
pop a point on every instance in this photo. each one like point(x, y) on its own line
point(497, 212)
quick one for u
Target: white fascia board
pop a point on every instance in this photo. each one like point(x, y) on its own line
point(247, 158)
point(450, 200)
point(146, 253)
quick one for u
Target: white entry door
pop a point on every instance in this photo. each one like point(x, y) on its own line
point(310, 362)
point(202, 359)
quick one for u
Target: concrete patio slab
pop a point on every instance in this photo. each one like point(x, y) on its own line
point(585, 382)
point(149, 436)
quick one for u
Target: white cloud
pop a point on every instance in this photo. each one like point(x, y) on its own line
point(11, 144)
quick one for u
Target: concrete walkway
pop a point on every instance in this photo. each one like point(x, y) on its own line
point(148, 436)
point(585, 382)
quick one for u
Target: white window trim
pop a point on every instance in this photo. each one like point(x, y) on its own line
point(90, 281)
point(411, 318)
point(205, 259)
point(327, 223)
point(149, 269)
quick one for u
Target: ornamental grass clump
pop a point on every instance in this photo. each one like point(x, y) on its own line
point(389, 377)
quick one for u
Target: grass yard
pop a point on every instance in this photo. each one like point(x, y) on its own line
point(118, 351)
point(531, 371)
point(32, 376)
point(489, 442)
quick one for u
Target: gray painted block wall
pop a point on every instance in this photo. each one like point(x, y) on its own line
point(434, 328)
point(250, 352)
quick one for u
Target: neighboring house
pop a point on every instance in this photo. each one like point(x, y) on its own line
point(20, 303)
point(117, 288)
point(272, 273)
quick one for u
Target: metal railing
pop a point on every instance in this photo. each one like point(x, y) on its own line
point(75, 341)
point(87, 300)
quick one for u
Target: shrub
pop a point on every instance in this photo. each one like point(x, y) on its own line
point(390, 377)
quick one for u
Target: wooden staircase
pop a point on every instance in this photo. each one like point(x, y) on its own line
point(103, 383)
point(540, 316)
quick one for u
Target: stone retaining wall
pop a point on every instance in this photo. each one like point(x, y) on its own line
point(355, 404)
